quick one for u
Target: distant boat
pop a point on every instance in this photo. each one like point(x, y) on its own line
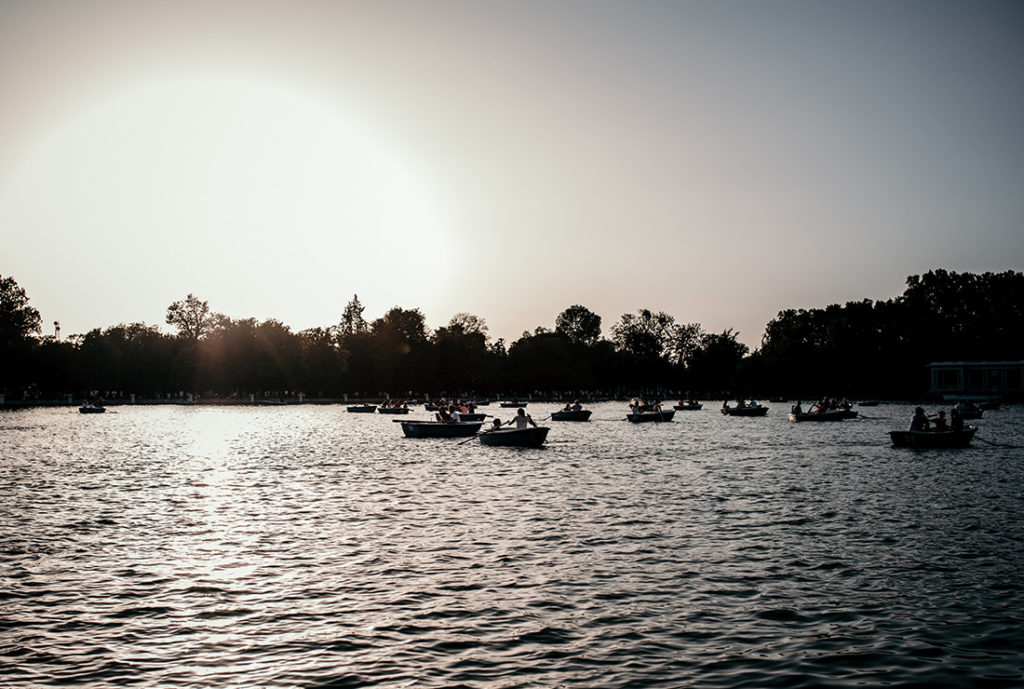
point(828, 415)
point(933, 439)
point(439, 429)
point(362, 409)
point(755, 410)
point(656, 416)
point(689, 406)
point(571, 415)
point(392, 410)
point(971, 411)
point(513, 405)
point(89, 408)
point(516, 437)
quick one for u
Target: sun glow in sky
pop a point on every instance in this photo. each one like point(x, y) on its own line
point(719, 161)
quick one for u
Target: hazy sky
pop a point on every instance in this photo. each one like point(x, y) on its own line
point(719, 161)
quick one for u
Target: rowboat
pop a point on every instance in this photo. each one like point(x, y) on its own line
point(362, 409)
point(439, 429)
point(91, 409)
point(689, 406)
point(644, 416)
point(466, 417)
point(512, 405)
point(516, 437)
point(756, 411)
point(933, 439)
point(829, 415)
point(571, 415)
point(392, 410)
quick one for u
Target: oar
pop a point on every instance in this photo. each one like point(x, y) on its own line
point(989, 442)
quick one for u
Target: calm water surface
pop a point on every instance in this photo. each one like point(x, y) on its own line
point(304, 546)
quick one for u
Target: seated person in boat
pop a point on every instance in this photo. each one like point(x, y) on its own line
point(939, 422)
point(496, 425)
point(523, 420)
point(920, 421)
point(956, 420)
point(443, 413)
point(797, 409)
point(576, 406)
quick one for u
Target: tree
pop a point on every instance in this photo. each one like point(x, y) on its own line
point(192, 318)
point(18, 320)
point(463, 361)
point(579, 325)
point(684, 342)
point(715, 362)
point(467, 324)
point(352, 321)
point(397, 339)
point(646, 334)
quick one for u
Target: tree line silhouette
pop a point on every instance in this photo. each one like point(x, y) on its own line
point(862, 348)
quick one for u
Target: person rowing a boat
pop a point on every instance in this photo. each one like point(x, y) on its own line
point(939, 422)
point(523, 420)
point(920, 421)
point(956, 420)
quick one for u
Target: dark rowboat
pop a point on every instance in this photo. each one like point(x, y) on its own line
point(362, 409)
point(516, 437)
point(512, 405)
point(570, 415)
point(90, 409)
point(759, 410)
point(644, 416)
point(830, 415)
point(933, 439)
point(392, 410)
point(689, 406)
point(466, 417)
point(439, 429)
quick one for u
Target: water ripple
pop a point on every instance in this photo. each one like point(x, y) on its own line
point(302, 546)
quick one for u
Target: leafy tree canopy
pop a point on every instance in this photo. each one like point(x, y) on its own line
point(192, 317)
point(18, 320)
point(579, 324)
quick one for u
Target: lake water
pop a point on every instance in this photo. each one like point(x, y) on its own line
point(302, 546)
